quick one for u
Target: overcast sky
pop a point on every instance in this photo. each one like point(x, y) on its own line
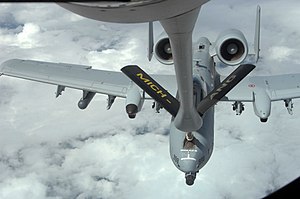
point(51, 149)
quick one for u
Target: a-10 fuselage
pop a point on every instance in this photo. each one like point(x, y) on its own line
point(190, 151)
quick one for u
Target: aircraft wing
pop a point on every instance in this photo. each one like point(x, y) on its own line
point(77, 76)
point(277, 87)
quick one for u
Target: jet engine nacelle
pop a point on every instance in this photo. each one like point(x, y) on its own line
point(86, 99)
point(231, 47)
point(134, 101)
point(163, 51)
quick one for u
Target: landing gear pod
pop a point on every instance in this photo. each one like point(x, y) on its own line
point(134, 101)
point(132, 110)
point(86, 99)
point(262, 104)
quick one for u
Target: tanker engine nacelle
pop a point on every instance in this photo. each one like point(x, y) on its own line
point(163, 51)
point(231, 47)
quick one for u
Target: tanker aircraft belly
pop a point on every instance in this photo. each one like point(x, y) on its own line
point(196, 83)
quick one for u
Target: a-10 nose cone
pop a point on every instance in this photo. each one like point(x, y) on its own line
point(189, 166)
point(190, 178)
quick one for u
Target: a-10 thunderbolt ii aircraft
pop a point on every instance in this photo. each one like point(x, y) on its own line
point(199, 86)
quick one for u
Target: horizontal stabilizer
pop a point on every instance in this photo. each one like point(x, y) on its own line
point(152, 88)
point(224, 87)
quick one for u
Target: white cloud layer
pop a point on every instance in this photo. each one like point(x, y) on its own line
point(51, 149)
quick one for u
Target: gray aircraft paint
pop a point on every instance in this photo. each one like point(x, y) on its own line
point(280, 87)
point(191, 157)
